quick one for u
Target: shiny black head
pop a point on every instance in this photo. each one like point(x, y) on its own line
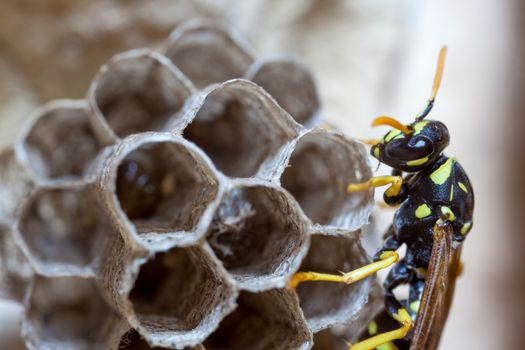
point(414, 150)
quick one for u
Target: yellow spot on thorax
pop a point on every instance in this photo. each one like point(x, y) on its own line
point(448, 213)
point(465, 228)
point(376, 152)
point(441, 174)
point(463, 187)
point(422, 211)
point(417, 161)
point(452, 192)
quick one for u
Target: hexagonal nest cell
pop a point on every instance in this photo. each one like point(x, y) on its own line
point(239, 126)
point(165, 187)
point(319, 171)
point(121, 103)
point(180, 296)
point(258, 236)
point(290, 82)
point(326, 303)
point(60, 144)
point(199, 44)
point(63, 228)
point(268, 320)
point(68, 313)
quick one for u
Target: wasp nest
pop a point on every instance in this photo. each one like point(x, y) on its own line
point(171, 206)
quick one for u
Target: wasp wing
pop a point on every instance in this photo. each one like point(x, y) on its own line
point(438, 292)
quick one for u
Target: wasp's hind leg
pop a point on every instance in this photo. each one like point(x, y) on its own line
point(386, 257)
point(400, 274)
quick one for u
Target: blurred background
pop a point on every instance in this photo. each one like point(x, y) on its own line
point(370, 57)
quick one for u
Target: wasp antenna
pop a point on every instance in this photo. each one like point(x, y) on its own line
point(396, 124)
point(439, 72)
point(437, 83)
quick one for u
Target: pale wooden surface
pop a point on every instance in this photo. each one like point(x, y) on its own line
point(375, 58)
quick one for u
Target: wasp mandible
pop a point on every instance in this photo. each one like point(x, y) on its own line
point(436, 203)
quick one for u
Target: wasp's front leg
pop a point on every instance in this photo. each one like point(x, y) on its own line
point(395, 182)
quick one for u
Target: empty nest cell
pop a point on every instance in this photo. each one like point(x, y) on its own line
point(267, 320)
point(258, 236)
point(179, 297)
point(239, 126)
point(63, 228)
point(67, 313)
point(60, 143)
point(326, 303)
point(137, 91)
point(319, 171)
point(164, 187)
point(208, 52)
point(290, 82)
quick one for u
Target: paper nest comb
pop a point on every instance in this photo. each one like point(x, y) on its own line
point(171, 206)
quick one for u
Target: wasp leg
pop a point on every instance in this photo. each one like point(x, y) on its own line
point(400, 274)
point(395, 183)
point(386, 259)
point(403, 317)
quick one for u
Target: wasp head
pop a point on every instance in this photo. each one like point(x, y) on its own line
point(413, 147)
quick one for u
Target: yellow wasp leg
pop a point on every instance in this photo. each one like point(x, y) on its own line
point(402, 316)
point(393, 190)
point(387, 259)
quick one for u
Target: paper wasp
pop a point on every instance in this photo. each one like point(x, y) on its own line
point(436, 203)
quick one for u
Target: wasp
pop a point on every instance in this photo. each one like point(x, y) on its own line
point(435, 204)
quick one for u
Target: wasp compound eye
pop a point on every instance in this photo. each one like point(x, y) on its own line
point(417, 147)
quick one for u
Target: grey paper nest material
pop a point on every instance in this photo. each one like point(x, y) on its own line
point(156, 215)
